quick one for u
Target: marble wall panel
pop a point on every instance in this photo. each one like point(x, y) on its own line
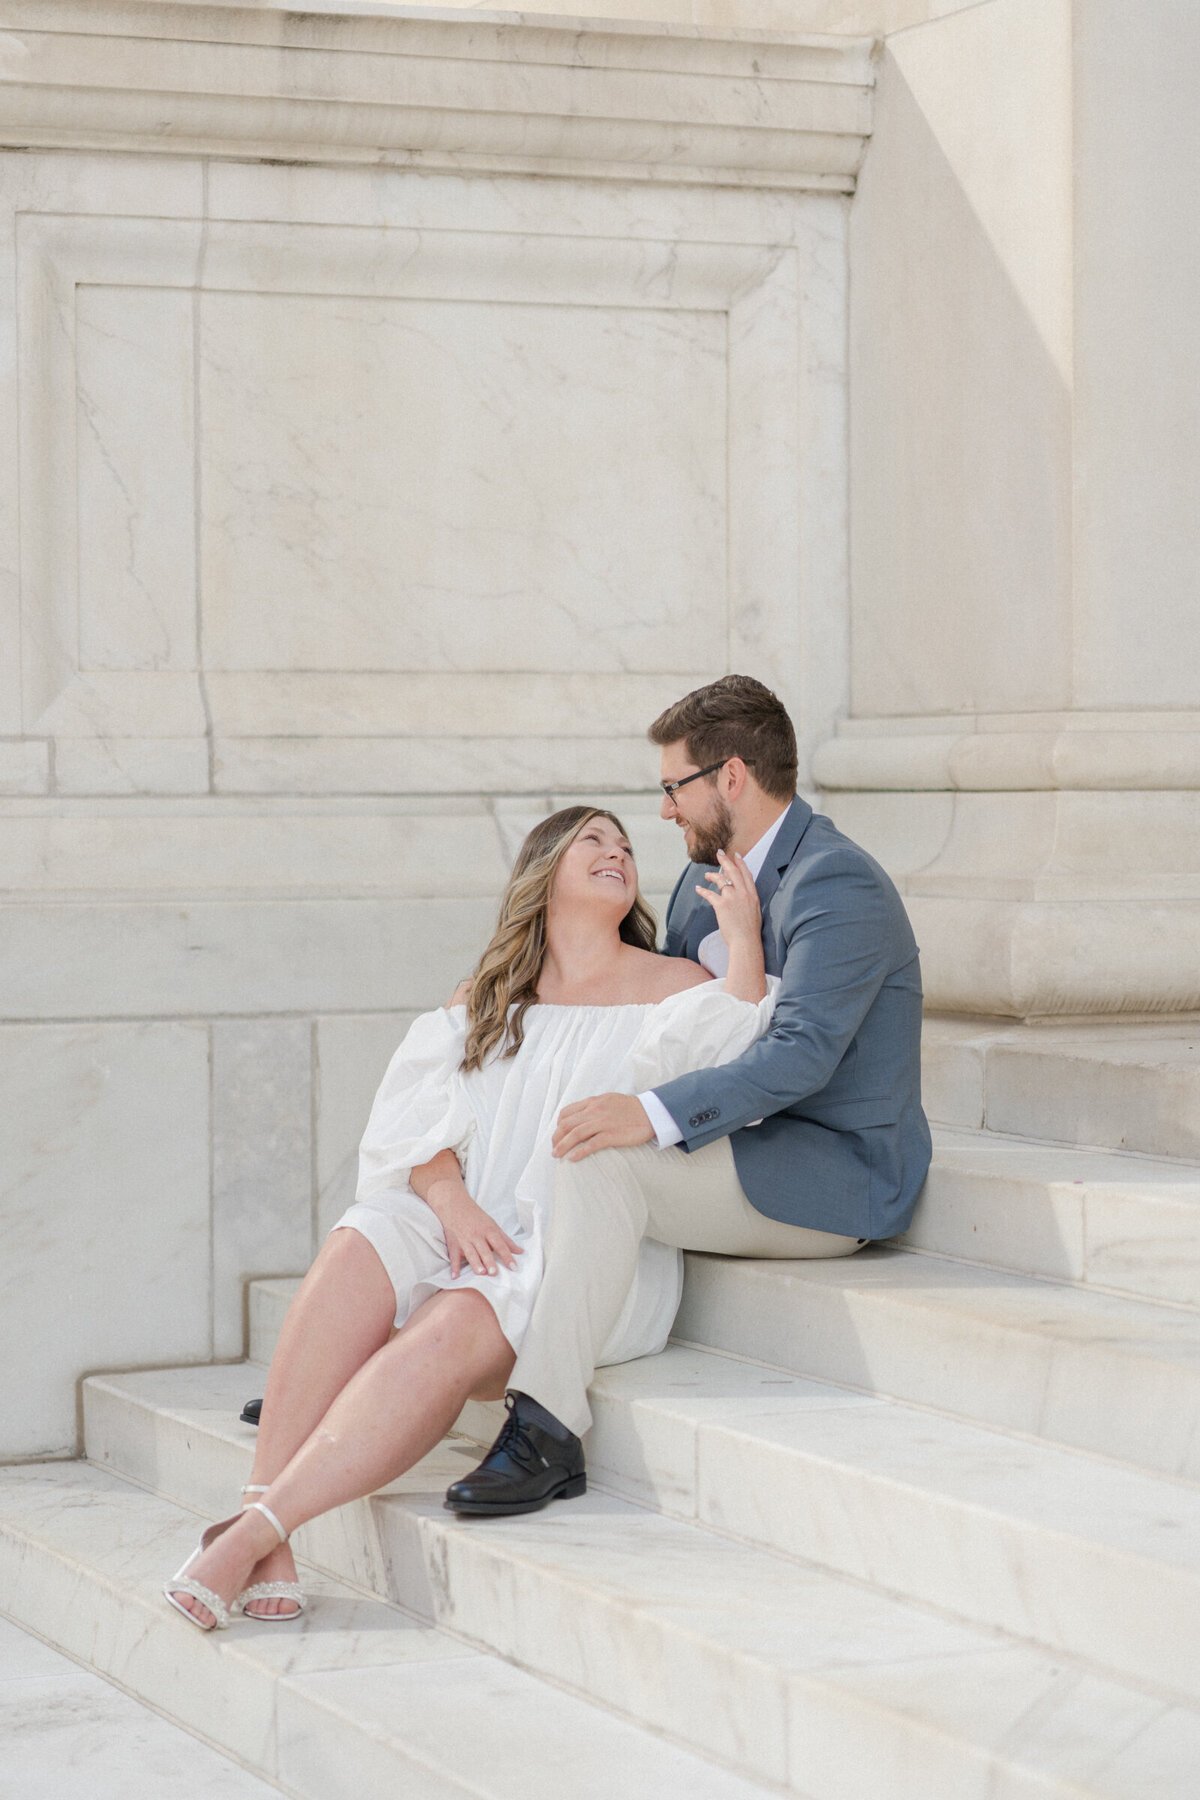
point(352, 1053)
point(298, 847)
point(575, 343)
point(107, 765)
point(129, 957)
point(262, 1201)
point(465, 703)
point(136, 499)
point(450, 765)
point(1137, 341)
point(11, 711)
point(398, 483)
point(104, 1177)
point(25, 766)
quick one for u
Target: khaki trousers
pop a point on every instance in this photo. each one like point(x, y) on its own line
point(603, 1207)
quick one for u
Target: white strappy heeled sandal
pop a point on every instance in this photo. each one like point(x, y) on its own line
point(182, 1583)
point(270, 1590)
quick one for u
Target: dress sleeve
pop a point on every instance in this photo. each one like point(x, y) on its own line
point(698, 1029)
point(422, 1106)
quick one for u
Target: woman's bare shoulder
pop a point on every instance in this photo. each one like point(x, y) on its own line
point(460, 995)
point(667, 975)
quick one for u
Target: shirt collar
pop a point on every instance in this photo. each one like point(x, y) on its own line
point(756, 856)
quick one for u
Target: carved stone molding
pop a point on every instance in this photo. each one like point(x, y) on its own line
point(441, 90)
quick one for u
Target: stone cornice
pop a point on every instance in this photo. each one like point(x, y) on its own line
point(395, 86)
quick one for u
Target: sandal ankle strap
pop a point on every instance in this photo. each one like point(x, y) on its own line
point(256, 1487)
point(257, 1506)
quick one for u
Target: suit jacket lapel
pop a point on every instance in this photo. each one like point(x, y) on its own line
point(787, 841)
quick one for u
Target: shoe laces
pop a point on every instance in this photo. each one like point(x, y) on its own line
point(514, 1439)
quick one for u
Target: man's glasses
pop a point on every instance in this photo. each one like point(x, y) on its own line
point(671, 788)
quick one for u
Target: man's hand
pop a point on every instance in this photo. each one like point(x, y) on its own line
point(602, 1123)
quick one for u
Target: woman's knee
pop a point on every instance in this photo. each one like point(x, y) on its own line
point(464, 1326)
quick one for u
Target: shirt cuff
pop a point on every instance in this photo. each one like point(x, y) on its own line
point(666, 1131)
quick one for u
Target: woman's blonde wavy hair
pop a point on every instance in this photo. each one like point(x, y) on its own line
point(504, 985)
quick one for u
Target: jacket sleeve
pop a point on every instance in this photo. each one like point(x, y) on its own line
point(838, 955)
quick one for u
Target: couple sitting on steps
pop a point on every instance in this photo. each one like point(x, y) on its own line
point(583, 1109)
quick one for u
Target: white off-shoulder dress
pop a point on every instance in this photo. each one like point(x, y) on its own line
point(500, 1120)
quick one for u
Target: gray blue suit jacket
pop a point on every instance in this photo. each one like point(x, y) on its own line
point(843, 1145)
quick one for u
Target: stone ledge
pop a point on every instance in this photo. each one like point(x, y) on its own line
point(439, 89)
point(1044, 752)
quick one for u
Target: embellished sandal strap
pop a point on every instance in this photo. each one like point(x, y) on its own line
point(183, 1584)
point(273, 1590)
point(257, 1506)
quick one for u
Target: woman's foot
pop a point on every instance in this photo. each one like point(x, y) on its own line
point(226, 1565)
point(278, 1565)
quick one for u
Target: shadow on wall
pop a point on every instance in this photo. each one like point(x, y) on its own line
point(960, 438)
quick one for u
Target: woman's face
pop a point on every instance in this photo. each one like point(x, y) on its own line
point(597, 870)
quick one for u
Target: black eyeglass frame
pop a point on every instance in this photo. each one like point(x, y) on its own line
point(671, 788)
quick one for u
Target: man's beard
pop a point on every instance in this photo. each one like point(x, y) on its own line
point(715, 835)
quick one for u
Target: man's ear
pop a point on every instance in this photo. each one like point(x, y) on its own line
point(734, 775)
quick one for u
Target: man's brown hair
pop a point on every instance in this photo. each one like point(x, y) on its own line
point(736, 716)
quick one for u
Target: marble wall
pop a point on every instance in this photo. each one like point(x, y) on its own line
point(351, 518)
point(1023, 739)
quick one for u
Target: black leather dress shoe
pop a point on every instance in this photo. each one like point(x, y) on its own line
point(249, 1414)
point(534, 1460)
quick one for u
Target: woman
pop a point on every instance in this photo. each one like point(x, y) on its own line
point(421, 1294)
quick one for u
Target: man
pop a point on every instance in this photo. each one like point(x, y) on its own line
point(811, 1143)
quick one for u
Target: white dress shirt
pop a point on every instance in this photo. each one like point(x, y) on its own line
point(712, 954)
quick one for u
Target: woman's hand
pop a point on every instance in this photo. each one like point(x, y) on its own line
point(734, 899)
point(472, 1235)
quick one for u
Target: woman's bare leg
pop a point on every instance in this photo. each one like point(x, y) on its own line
point(342, 1314)
point(392, 1412)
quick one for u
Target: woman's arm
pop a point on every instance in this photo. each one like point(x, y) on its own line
point(734, 899)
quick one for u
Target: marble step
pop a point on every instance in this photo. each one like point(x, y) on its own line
point(1116, 1085)
point(68, 1733)
point(797, 1676)
point(1117, 1377)
point(357, 1698)
point(1103, 1218)
point(1090, 1371)
point(1073, 1553)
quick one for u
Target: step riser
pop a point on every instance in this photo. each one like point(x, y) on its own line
point(1100, 1237)
point(1079, 1393)
point(1121, 1089)
point(1132, 1615)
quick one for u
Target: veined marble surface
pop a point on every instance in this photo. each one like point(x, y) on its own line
point(70, 1735)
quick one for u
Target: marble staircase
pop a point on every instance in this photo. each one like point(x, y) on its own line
point(921, 1525)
